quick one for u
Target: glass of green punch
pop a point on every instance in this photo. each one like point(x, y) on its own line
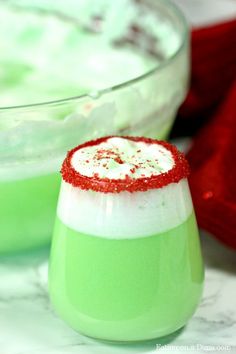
point(125, 260)
point(65, 67)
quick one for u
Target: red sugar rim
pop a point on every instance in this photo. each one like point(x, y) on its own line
point(179, 171)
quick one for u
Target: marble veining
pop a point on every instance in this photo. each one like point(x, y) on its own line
point(28, 325)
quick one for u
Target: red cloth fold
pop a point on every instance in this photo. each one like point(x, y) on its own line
point(213, 155)
point(213, 178)
point(213, 69)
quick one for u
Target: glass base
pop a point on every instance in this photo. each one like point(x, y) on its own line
point(158, 341)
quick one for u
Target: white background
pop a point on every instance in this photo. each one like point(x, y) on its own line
point(203, 12)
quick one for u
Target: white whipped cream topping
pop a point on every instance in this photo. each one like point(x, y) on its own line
point(118, 157)
point(125, 215)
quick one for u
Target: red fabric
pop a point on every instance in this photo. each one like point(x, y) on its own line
point(213, 155)
point(213, 178)
point(213, 69)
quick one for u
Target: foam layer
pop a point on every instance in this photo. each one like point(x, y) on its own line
point(29, 169)
point(125, 215)
point(117, 158)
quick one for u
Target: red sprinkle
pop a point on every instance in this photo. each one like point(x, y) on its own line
point(106, 185)
point(118, 160)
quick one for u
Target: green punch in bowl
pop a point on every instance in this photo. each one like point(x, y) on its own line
point(68, 74)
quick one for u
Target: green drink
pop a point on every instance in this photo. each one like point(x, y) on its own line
point(126, 283)
point(28, 222)
point(125, 261)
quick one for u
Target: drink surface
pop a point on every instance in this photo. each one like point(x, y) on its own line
point(118, 158)
point(126, 289)
point(49, 57)
point(113, 164)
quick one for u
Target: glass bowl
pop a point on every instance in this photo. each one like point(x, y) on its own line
point(73, 73)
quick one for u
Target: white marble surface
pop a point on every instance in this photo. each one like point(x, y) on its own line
point(29, 326)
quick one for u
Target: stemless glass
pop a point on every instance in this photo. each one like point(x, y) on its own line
point(125, 266)
point(69, 75)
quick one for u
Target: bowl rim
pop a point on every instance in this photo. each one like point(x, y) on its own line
point(184, 40)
